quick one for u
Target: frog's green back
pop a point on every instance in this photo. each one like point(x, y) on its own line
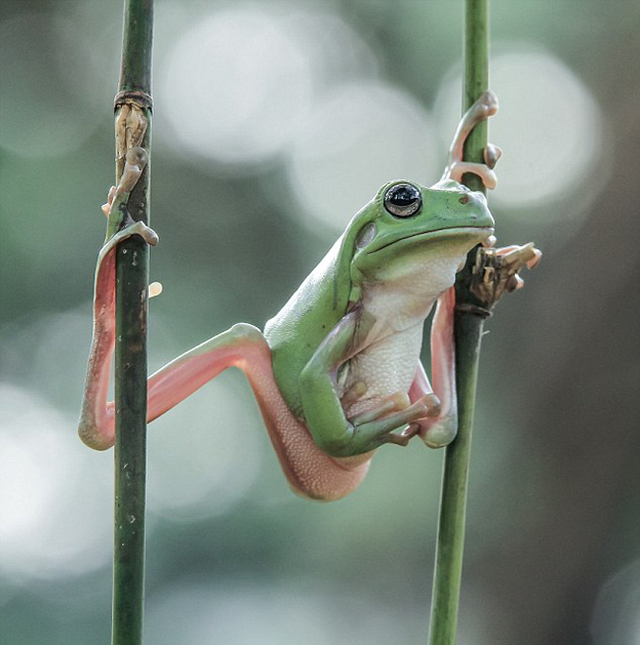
point(312, 311)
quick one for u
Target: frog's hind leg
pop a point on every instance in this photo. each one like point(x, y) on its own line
point(440, 428)
point(96, 426)
point(311, 472)
point(484, 107)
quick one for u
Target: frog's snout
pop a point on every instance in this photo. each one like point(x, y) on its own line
point(478, 210)
point(474, 197)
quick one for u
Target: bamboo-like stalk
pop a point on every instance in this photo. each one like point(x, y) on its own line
point(468, 326)
point(132, 275)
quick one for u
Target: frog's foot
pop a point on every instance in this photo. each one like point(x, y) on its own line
point(135, 162)
point(519, 255)
point(134, 228)
point(483, 108)
point(107, 207)
point(116, 207)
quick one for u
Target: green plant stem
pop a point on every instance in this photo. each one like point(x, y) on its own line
point(468, 333)
point(132, 275)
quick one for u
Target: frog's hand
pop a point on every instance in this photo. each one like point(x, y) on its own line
point(95, 414)
point(323, 409)
point(310, 472)
point(440, 429)
point(484, 107)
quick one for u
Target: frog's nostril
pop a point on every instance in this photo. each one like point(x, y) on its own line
point(464, 199)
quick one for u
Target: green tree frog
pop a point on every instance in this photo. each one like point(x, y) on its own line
point(337, 372)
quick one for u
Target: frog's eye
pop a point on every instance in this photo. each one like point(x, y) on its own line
point(403, 200)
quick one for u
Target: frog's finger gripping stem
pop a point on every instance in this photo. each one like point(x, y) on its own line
point(483, 108)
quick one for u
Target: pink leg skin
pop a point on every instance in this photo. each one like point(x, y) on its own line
point(96, 426)
point(310, 472)
point(440, 430)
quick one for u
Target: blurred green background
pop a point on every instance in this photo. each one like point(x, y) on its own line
point(274, 122)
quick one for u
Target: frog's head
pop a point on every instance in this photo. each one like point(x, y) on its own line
point(406, 226)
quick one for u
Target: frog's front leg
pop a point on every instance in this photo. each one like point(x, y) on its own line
point(440, 429)
point(323, 409)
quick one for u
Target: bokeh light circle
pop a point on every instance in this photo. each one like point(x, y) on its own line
point(52, 493)
point(234, 86)
point(549, 126)
point(360, 136)
point(205, 453)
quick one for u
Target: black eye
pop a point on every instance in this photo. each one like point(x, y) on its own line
point(403, 200)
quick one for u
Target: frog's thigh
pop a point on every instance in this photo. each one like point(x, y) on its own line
point(309, 471)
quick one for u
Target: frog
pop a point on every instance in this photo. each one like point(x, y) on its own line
point(337, 372)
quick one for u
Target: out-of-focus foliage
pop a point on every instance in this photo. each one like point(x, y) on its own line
point(274, 122)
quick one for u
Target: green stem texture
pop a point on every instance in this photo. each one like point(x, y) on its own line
point(132, 276)
point(468, 332)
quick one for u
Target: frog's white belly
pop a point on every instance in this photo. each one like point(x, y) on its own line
point(388, 362)
point(399, 301)
point(385, 367)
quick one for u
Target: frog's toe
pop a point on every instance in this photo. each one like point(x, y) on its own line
point(402, 438)
point(107, 206)
point(489, 102)
point(149, 235)
point(491, 155)
point(144, 231)
point(442, 432)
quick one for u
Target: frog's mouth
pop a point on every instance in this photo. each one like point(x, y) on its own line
point(480, 232)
